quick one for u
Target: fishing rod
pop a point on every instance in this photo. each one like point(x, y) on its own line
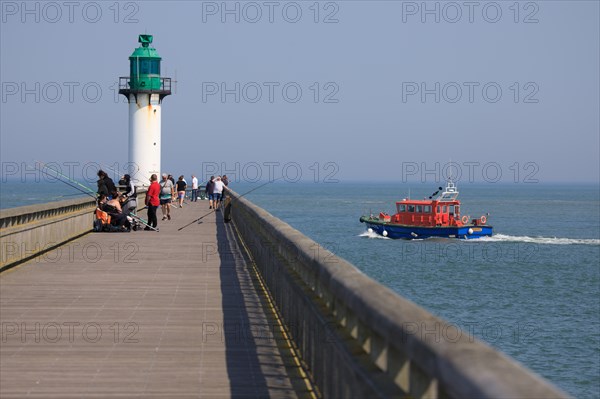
point(146, 223)
point(117, 173)
point(72, 185)
point(64, 176)
point(214, 210)
point(65, 195)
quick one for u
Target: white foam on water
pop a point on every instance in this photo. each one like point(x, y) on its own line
point(373, 235)
point(539, 240)
point(509, 238)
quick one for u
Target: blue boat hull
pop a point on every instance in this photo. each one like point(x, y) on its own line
point(412, 232)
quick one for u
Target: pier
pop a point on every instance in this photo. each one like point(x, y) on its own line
point(245, 308)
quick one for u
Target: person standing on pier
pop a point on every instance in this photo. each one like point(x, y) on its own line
point(167, 192)
point(181, 186)
point(130, 195)
point(217, 192)
point(194, 189)
point(153, 201)
point(105, 184)
point(210, 185)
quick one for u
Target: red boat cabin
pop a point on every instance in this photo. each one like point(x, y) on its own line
point(441, 211)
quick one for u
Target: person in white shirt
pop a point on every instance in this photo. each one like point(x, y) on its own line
point(194, 189)
point(218, 192)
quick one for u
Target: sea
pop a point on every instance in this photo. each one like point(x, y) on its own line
point(532, 290)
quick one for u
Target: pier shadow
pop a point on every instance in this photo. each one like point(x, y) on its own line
point(246, 330)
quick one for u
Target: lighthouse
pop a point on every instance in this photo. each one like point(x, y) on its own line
point(145, 90)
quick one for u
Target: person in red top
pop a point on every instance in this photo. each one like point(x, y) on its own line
point(152, 201)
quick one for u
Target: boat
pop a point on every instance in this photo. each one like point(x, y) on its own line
point(434, 217)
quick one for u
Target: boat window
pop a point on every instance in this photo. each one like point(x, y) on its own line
point(411, 208)
point(419, 208)
point(451, 209)
point(401, 208)
point(427, 209)
point(445, 209)
point(457, 209)
point(439, 210)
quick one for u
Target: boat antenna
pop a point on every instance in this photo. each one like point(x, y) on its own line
point(435, 193)
point(450, 179)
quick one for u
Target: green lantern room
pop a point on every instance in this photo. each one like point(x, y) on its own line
point(145, 66)
point(144, 71)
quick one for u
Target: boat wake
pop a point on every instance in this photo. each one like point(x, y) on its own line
point(539, 240)
point(508, 238)
point(373, 235)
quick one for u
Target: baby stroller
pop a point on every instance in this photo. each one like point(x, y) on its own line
point(129, 205)
point(137, 223)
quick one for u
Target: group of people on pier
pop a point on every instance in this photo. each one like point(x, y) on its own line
point(119, 205)
point(122, 206)
point(214, 190)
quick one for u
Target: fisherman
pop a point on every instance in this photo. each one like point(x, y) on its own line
point(130, 195)
point(113, 208)
point(105, 184)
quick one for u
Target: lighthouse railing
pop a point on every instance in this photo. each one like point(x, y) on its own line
point(163, 84)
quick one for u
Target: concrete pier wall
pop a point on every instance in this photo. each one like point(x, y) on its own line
point(28, 231)
point(360, 339)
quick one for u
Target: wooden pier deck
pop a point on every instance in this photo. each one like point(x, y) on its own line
point(171, 314)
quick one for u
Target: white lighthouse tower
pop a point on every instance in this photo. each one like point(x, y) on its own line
point(145, 90)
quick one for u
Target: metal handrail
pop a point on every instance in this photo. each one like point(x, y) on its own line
point(165, 84)
point(359, 338)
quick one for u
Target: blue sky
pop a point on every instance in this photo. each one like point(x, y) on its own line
point(349, 90)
